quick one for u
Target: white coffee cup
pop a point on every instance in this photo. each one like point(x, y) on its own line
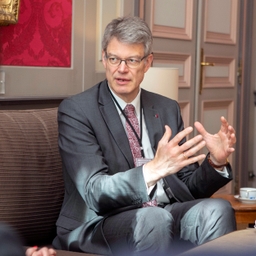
point(248, 193)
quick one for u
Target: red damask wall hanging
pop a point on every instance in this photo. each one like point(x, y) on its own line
point(42, 36)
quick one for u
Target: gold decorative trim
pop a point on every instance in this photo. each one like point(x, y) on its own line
point(9, 11)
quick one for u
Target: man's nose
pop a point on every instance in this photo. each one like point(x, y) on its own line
point(123, 66)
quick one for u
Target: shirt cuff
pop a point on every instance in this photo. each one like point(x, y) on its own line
point(149, 189)
point(224, 172)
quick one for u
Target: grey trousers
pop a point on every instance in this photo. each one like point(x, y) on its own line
point(169, 230)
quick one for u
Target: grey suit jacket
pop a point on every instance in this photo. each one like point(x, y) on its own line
point(100, 178)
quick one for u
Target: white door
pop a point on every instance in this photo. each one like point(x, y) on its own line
point(191, 35)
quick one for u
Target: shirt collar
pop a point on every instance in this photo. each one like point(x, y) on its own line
point(122, 103)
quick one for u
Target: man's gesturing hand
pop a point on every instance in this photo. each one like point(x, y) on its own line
point(171, 157)
point(220, 145)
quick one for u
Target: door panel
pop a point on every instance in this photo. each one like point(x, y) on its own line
point(172, 19)
point(220, 21)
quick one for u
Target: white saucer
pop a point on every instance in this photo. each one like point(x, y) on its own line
point(245, 200)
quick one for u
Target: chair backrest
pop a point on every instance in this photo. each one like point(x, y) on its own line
point(31, 181)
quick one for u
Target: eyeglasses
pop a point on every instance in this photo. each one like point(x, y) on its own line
point(130, 62)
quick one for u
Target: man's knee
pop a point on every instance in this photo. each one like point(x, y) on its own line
point(219, 218)
point(157, 226)
point(223, 211)
point(221, 207)
point(154, 218)
point(208, 219)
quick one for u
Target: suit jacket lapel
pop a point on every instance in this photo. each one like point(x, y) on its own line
point(113, 121)
point(153, 121)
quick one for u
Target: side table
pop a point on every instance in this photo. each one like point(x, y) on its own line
point(245, 213)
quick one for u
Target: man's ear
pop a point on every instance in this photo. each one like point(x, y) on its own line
point(103, 58)
point(149, 62)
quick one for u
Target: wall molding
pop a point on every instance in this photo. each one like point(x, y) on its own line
point(222, 38)
point(174, 59)
point(163, 31)
point(220, 81)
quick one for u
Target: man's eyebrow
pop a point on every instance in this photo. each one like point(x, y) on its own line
point(133, 56)
point(111, 54)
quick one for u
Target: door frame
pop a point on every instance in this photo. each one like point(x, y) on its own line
point(244, 97)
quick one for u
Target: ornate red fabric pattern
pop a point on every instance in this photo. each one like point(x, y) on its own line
point(42, 36)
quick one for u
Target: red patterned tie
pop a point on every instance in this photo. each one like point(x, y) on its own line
point(134, 143)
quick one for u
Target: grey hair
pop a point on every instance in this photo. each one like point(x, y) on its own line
point(129, 30)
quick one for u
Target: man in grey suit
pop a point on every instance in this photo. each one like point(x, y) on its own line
point(119, 204)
